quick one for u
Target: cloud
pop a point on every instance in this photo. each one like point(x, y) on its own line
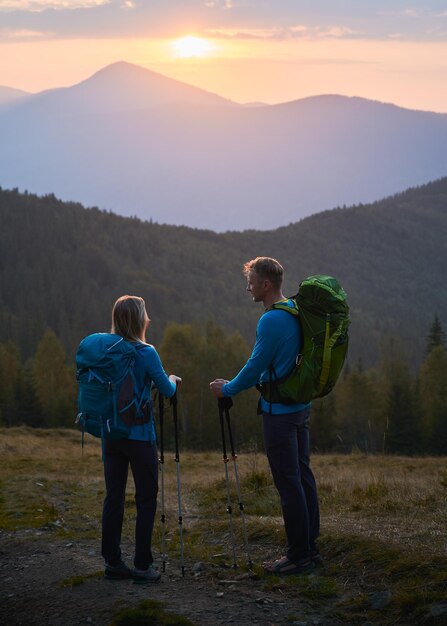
point(291, 32)
point(339, 32)
point(244, 33)
point(225, 4)
point(411, 13)
point(404, 13)
point(226, 19)
point(37, 6)
point(25, 34)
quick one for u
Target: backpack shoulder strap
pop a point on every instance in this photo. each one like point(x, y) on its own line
point(283, 305)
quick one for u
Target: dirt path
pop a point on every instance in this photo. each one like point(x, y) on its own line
point(35, 589)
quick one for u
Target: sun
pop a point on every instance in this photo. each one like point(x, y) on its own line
point(190, 46)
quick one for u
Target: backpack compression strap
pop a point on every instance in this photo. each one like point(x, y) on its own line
point(329, 342)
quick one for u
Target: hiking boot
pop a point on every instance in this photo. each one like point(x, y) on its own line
point(143, 576)
point(118, 572)
point(316, 557)
point(286, 567)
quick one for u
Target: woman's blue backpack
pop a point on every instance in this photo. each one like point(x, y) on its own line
point(109, 401)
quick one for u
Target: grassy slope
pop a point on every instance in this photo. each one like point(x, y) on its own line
point(383, 519)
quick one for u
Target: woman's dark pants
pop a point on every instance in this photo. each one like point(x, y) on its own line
point(286, 439)
point(143, 459)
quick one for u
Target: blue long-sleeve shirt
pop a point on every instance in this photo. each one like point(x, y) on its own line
point(278, 340)
point(149, 369)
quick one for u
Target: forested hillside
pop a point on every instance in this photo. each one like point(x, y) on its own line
point(62, 267)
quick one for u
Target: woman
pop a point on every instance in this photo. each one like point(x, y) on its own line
point(130, 321)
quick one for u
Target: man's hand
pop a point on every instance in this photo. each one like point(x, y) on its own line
point(216, 387)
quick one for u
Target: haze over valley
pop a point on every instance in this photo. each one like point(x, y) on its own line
point(138, 143)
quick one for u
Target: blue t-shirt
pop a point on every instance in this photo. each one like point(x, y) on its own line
point(149, 369)
point(278, 341)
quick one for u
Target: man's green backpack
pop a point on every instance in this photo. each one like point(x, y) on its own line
point(323, 313)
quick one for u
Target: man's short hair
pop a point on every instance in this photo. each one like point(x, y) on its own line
point(266, 268)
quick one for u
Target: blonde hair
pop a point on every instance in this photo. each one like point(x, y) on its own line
point(265, 268)
point(129, 318)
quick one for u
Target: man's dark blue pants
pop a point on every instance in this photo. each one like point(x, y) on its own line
point(286, 439)
point(143, 459)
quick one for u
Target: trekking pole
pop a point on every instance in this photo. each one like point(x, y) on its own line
point(226, 406)
point(179, 497)
point(162, 476)
point(221, 402)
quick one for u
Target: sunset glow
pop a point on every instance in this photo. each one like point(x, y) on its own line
point(379, 51)
point(190, 46)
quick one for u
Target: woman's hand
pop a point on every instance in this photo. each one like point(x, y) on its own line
point(175, 379)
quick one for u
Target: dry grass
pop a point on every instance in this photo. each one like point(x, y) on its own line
point(402, 501)
point(383, 518)
point(45, 482)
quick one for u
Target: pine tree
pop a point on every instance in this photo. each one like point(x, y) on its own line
point(10, 371)
point(396, 399)
point(433, 390)
point(436, 336)
point(401, 436)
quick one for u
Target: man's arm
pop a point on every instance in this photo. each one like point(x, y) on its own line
point(259, 361)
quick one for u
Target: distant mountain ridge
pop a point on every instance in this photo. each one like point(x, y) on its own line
point(8, 95)
point(138, 143)
point(118, 88)
point(63, 266)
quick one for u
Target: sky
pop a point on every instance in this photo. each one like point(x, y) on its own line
point(247, 50)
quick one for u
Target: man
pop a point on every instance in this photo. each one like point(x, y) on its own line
point(286, 427)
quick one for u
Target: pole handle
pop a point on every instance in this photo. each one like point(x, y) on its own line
point(222, 430)
point(225, 403)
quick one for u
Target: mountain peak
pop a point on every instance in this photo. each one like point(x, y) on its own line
point(121, 87)
point(122, 68)
point(134, 83)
